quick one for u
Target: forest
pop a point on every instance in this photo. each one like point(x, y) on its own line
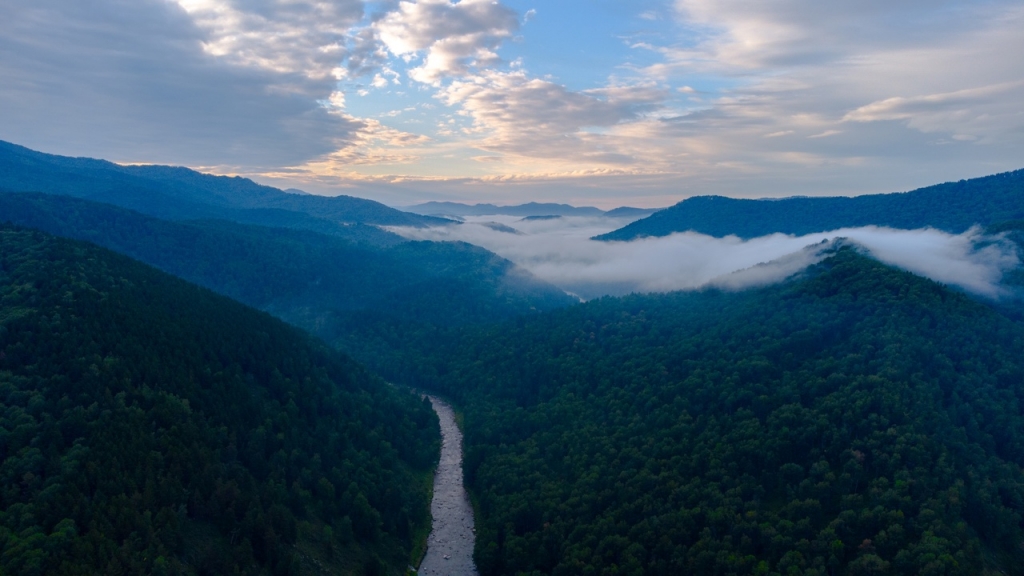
point(326, 283)
point(853, 420)
point(151, 426)
point(859, 420)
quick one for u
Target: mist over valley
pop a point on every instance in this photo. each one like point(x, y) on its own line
point(562, 251)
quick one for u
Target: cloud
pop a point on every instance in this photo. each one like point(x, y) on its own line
point(453, 38)
point(135, 80)
point(789, 33)
point(966, 112)
point(733, 97)
point(561, 252)
point(918, 91)
point(532, 117)
point(286, 36)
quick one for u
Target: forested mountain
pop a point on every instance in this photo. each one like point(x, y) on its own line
point(953, 206)
point(332, 286)
point(183, 194)
point(856, 420)
point(151, 426)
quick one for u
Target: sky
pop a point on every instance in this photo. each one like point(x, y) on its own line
point(588, 102)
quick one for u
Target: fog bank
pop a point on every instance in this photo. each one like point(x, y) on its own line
point(561, 252)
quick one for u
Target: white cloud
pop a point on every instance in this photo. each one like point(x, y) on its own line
point(453, 38)
point(918, 91)
point(532, 117)
point(561, 252)
point(286, 36)
point(336, 102)
point(966, 113)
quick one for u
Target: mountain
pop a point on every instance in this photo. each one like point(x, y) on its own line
point(629, 212)
point(296, 273)
point(332, 286)
point(953, 207)
point(149, 426)
point(523, 210)
point(183, 194)
point(854, 420)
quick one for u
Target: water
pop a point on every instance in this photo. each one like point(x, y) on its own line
point(450, 546)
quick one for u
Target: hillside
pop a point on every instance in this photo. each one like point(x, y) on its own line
point(368, 293)
point(150, 426)
point(953, 207)
point(856, 420)
point(182, 194)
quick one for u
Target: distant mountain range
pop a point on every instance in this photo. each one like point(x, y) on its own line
point(309, 279)
point(448, 209)
point(341, 278)
point(182, 194)
point(953, 207)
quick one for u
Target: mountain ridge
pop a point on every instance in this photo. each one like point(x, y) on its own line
point(951, 206)
point(524, 210)
point(180, 193)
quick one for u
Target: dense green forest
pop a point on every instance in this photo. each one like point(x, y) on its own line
point(853, 420)
point(953, 206)
point(858, 420)
point(150, 426)
point(338, 288)
point(181, 194)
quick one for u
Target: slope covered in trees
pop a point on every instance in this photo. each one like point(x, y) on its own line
point(340, 288)
point(953, 207)
point(150, 426)
point(182, 194)
point(859, 420)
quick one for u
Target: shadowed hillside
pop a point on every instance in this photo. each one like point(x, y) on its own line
point(150, 426)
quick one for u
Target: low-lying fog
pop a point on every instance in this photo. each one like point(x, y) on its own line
point(560, 251)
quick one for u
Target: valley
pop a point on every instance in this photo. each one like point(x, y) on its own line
point(835, 403)
point(511, 288)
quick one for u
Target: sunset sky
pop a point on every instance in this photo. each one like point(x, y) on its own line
point(591, 102)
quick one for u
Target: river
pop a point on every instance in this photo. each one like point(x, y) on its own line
point(450, 546)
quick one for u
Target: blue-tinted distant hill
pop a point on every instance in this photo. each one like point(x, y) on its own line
point(953, 206)
point(524, 210)
point(182, 194)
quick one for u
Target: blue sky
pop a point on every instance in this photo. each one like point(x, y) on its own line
point(589, 102)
